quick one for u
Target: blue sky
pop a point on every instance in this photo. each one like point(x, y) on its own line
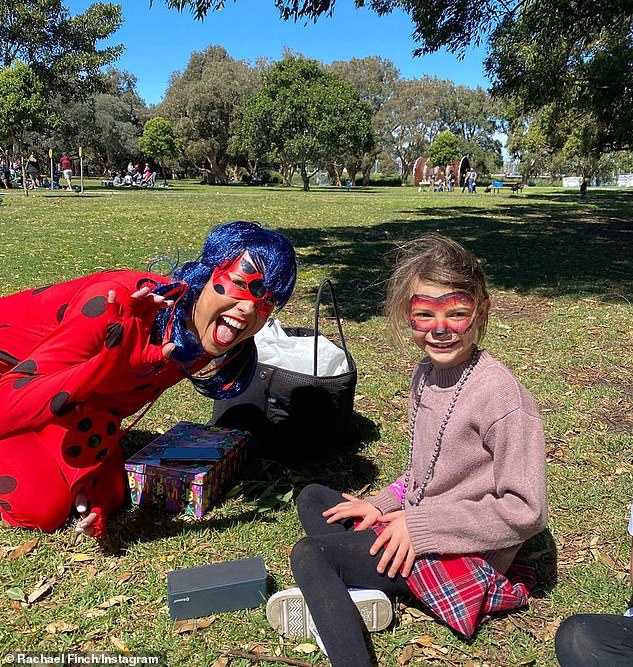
point(159, 41)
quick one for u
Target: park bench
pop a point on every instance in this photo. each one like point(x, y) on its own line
point(497, 186)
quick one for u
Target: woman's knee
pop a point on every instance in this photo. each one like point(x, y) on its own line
point(305, 553)
point(37, 512)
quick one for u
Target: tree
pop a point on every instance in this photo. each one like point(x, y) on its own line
point(444, 149)
point(374, 78)
point(108, 125)
point(205, 103)
point(583, 50)
point(306, 116)
point(158, 141)
point(22, 106)
point(60, 48)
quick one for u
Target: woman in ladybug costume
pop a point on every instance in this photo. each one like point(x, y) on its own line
point(79, 356)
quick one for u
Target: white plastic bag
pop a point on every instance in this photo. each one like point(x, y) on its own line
point(296, 353)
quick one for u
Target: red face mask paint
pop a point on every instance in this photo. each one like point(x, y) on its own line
point(241, 280)
point(449, 313)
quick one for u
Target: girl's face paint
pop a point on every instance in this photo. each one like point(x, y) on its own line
point(446, 314)
point(242, 280)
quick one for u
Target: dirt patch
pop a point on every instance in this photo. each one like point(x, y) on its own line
point(511, 306)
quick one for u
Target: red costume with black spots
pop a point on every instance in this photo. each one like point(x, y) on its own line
point(72, 366)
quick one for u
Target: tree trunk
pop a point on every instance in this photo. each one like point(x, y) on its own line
point(334, 174)
point(287, 170)
point(367, 173)
point(304, 176)
point(352, 168)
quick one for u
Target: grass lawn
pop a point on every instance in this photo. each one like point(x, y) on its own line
point(561, 272)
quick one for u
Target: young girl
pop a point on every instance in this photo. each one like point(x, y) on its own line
point(472, 492)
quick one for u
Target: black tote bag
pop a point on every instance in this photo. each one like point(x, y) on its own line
point(291, 415)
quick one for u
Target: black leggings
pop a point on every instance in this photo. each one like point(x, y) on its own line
point(595, 640)
point(330, 559)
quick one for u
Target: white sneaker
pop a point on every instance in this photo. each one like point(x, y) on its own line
point(288, 614)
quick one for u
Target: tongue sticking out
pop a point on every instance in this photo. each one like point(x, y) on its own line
point(225, 334)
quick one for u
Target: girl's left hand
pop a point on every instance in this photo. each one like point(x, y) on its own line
point(397, 546)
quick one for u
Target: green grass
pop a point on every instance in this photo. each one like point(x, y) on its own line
point(561, 272)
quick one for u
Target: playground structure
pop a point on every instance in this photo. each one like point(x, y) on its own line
point(425, 175)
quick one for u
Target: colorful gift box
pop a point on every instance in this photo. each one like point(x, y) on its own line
point(185, 487)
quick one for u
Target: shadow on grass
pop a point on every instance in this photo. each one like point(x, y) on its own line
point(549, 245)
point(345, 469)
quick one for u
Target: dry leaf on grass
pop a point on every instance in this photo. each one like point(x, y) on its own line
point(306, 648)
point(24, 549)
point(117, 599)
point(60, 626)
point(82, 558)
point(118, 644)
point(405, 655)
point(126, 576)
point(221, 662)
point(180, 627)
point(39, 592)
point(96, 613)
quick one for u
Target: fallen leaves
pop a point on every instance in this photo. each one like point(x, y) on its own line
point(190, 625)
point(58, 627)
point(23, 549)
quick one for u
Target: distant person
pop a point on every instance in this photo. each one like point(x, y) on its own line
point(67, 169)
point(130, 167)
point(472, 181)
point(466, 180)
point(348, 184)
point(583, 188)
point(33, 171)
point(5, 175)
point(117, 181)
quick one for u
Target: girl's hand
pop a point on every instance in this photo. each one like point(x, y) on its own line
point(397, 546)
point(354, 508)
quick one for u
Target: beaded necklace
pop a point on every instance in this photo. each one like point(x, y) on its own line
point(438, 441)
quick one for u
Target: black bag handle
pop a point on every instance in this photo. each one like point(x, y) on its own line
point(328, 283)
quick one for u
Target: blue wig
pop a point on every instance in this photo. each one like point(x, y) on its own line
point(273, 256)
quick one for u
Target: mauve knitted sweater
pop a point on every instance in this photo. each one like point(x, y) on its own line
point(488, 490)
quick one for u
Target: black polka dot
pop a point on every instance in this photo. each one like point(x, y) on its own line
point(94, 482)
point(218, 288)
point(111, 428)
point(7, 483)
point(101, 454)
point(157, 391)
point(73, 451)
point(142, 387)
point(27, 366)
point(114, 335)
point(85, 425)
point(146, 282)
point(61, 312)
point(58, 403)
point(21, 382)
point(39, 290)
point(3, 326)
point(4, 505)
point(94, 441)
point(94, 307)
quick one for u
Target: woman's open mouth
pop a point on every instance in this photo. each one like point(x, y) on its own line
point(227, 330)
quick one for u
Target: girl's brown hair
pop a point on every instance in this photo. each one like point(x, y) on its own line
point(437, 259)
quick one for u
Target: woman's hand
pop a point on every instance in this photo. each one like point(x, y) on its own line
point(397, 546)
point(138, 303)
point(353, 508)
point(85, 525)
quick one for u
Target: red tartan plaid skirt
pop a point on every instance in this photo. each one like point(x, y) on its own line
point(464, 590)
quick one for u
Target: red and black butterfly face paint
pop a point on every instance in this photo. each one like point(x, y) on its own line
point(241, 280)
point(449, 313)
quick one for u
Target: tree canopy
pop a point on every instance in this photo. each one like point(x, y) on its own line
point(306, 116)
point(572, 54)
point(60, 48)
